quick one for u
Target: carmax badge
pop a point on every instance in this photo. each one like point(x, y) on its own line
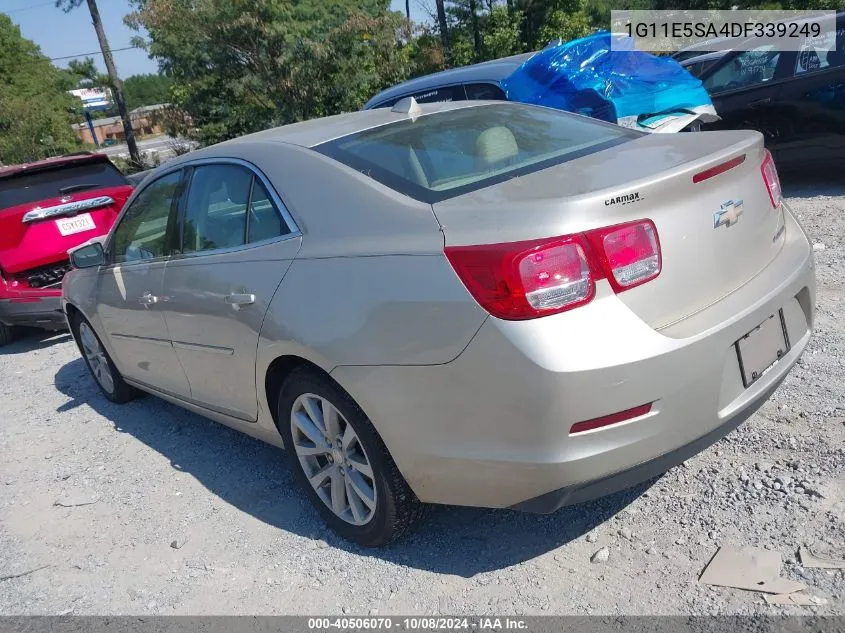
point(728, 214)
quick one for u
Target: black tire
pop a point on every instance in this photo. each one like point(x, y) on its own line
point(120, 392)
point(7, 334)
point(397, 507)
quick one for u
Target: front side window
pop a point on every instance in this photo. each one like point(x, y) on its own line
point(749, 68)
point(445, 154)
point(143, 232)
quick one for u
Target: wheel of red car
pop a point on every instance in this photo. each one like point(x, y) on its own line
point(6, 334)
point(99, 363)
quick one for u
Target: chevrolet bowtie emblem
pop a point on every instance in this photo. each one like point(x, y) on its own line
point(728, 214)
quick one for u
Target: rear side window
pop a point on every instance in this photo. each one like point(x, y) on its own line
point(58, 181)
point(215, 212)
point(480, 92)
point(445, 154)
point(817, 54)
point(228, 206)
point(432, 95)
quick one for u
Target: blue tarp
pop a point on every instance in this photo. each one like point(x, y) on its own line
point(623, 85)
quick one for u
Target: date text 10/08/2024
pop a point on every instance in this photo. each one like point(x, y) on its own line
point(417, 623)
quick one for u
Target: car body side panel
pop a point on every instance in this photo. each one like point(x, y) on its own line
point(388, 310)
point(137, 335)
point(214, 339)
point(809, 115)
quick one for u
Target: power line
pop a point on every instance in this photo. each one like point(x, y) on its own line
point(114, 50)
point(34, 6)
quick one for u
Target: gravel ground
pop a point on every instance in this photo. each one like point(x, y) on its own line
point(173, 514)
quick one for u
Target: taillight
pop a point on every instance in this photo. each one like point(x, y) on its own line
point(771, 178)
point(525, 280)
point(630, 253)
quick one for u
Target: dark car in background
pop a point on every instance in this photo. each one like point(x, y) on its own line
point(795, 98)
point(478, 81)
point(46, 208)
point(699, 63)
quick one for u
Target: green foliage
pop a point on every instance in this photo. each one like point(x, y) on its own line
point(238, 67)
point(85, 72)
point(144, 90)
point(565, 26)
point(502, 33)
point(36, 112)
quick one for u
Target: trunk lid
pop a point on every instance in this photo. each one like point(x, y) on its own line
point(45, 212)
point(704, 258)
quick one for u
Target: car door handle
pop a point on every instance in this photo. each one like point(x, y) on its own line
point(240, 299)
point(759, 102)
point(147, 299)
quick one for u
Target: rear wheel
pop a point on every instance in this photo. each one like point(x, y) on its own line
point(102, 368)
point(7, 334)
point(342, 463)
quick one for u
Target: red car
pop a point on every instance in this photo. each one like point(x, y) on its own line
point(46, 208)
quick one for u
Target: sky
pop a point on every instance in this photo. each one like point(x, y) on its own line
point(61, 34)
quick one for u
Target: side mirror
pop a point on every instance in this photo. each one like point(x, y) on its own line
point(88, 256)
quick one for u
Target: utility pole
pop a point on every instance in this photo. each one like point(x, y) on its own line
point(114, 80)
point(444, 30)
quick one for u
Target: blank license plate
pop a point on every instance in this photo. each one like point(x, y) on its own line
point(76, 224)
point(761, 348)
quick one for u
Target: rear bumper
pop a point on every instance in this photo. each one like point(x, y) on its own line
point(491, 428)
point(34, 311)
point(579, 493)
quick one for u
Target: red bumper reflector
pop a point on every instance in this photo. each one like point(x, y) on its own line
point(719, 169)
point(607, 420)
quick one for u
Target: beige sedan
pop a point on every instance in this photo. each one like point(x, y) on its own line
point(485, 303)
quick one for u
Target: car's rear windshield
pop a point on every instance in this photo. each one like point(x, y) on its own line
point(446, 154)
point(57, 181)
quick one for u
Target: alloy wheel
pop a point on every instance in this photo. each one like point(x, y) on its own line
point(333, 459)
point(96, 357)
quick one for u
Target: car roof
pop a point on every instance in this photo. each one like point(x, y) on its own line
point(490, 71)
point(47, 163)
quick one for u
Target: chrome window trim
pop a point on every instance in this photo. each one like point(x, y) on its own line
point(278, 203)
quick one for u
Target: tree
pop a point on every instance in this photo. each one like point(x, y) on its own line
point(443, 27)
point(144, 90)
point(241, 67)
point(114, 79)
point(36, 111)
point(87, 73)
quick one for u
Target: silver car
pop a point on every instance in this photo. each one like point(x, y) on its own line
point(485, 304)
